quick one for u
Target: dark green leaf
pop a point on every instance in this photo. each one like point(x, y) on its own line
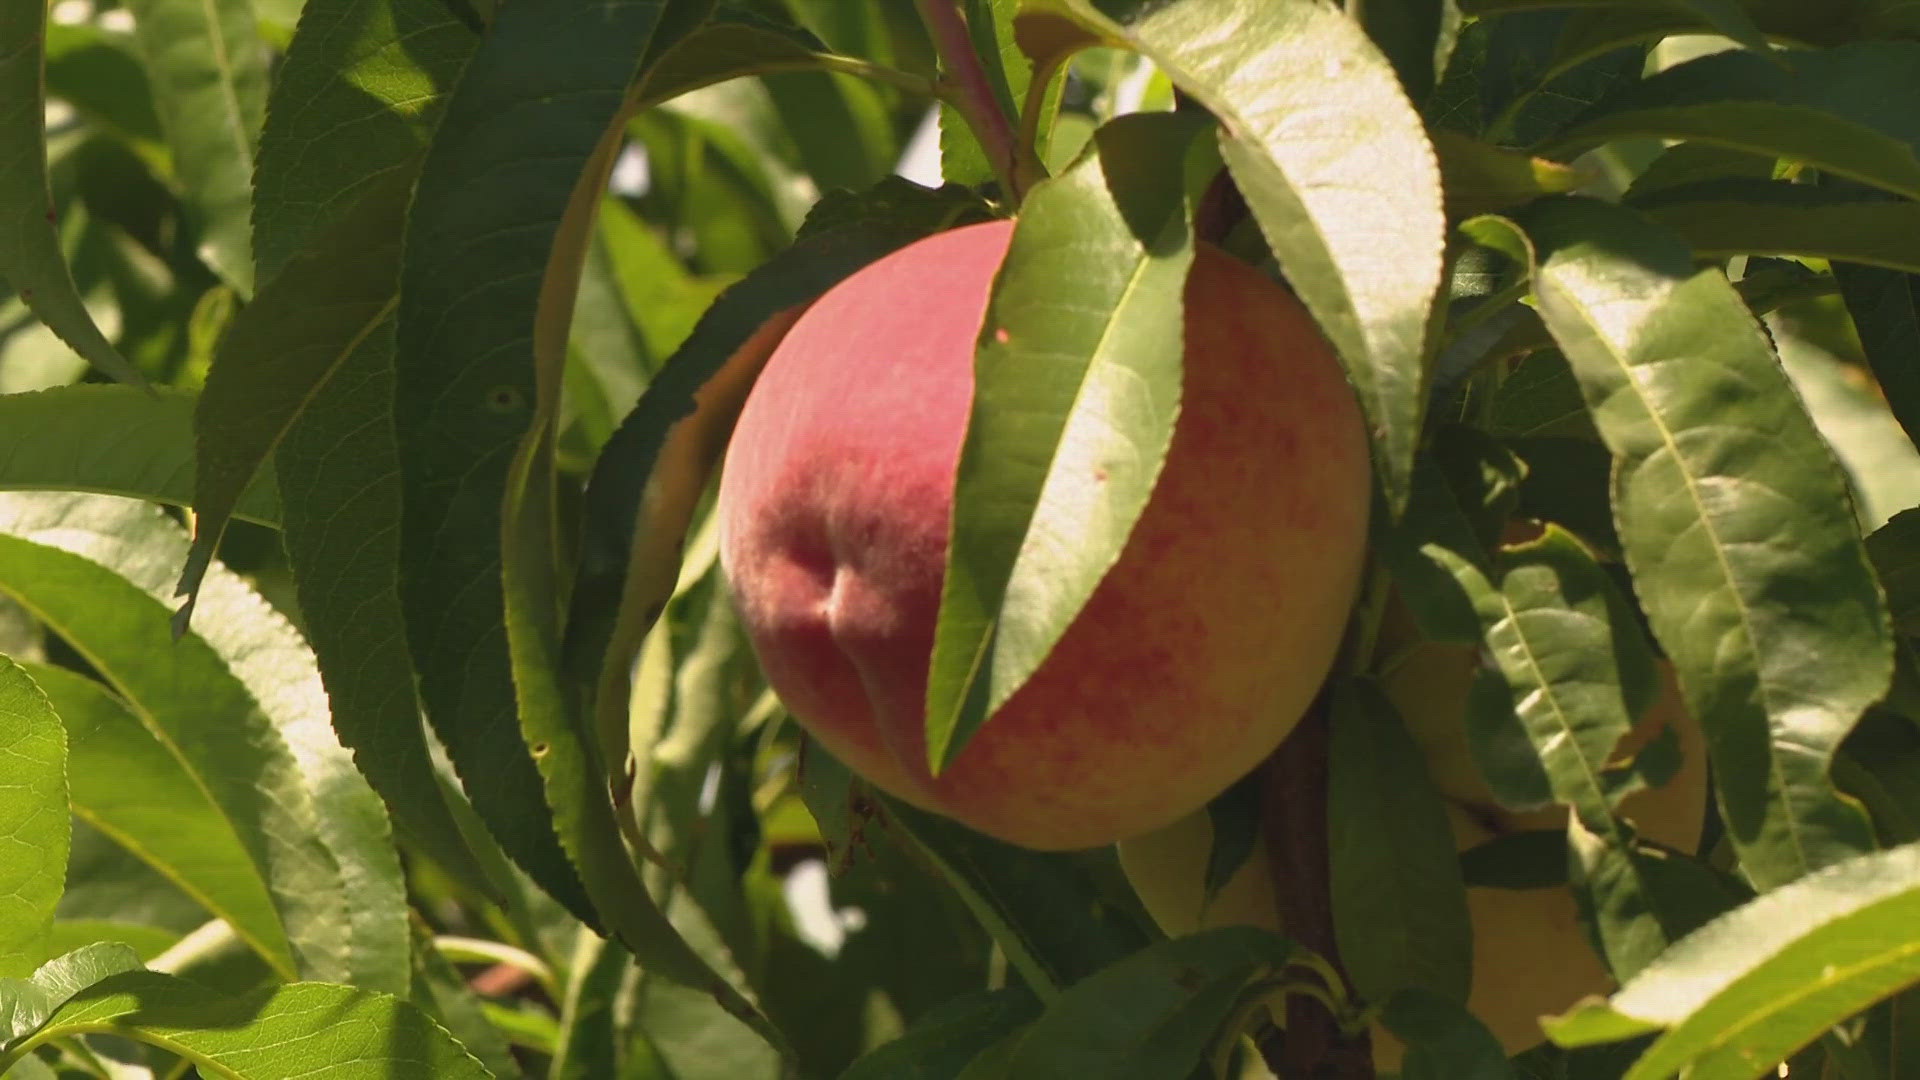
point(1755, 985)
point(1416, 35)
point(97, 72)
point(1154, 1015)
point(30, 256)
point(1723, 218)
point(33, 819)
point(113, 440)
point(1042, 909)
point(941, 1044)
point(1444, 1041)
point(353, 104)
point(127, 784)
point(208, 68)
point(1734, 521)
point(279, 352)
point(357, 96)
point(1078, 375)
point(1885, 306)
point(518, 133)
point(1843, 110)
point(1361, 245)
point(306, 1029)
point(1895, 551)
point(1400, 908)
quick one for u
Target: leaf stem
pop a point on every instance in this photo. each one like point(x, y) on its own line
point(972, 94)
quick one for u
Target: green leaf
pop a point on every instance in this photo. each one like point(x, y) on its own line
point(1755, 985)
point(941, 1044)
point(1416, 35)
point(305, 1029)
point(281, 349)
point(1155, 1014)
point(128, 784)
point(1444, 1041)
point(1843, 110)
point(1041, 909)
point(652, 473)
point(352, 107)
point(517, 137)
point(208, 68)
point(33, 819)
point(990, 26)
point(113, 440)
point(1480, 178)
point(358, 94)
point(240, 705)
point(96, 71)
point(30, 256)
point(588, 1036)
point(1078, 374)
point(1885, 306)
point(1734, 521)
point(1575, 672)
point(1723, 218)
point(1360, 244)
point(1895, 551)
point(26, 1003)
point(1399, 903)
point(440, 990)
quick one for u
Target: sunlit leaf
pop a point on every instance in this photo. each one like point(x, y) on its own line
point(304, 1029)
point(1078, 374)
point(33, 819)
point(1308, 109)
point(96, 570)
point(127, 784)
point(1755, 985)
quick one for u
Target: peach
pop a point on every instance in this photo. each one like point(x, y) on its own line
point(1193, 657)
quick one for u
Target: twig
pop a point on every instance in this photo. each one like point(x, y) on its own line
point(972, 93)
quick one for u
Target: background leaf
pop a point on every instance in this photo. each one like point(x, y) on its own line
point(208, 68)
point(30, 257)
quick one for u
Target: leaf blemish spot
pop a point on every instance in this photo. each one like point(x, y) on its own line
point(540, 750)
point(503, 399)
point(1002, 336)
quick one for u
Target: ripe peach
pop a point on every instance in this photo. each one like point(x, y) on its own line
point(1194, 656)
